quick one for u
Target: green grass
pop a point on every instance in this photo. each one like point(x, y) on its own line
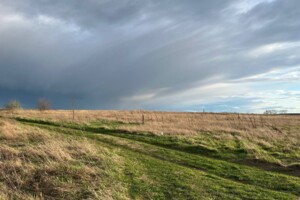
point(164, 168)
point(208, 144)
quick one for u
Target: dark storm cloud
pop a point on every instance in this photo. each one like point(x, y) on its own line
point(96, 12)
point(89, 12)
point(273, 22)
point(105, 51)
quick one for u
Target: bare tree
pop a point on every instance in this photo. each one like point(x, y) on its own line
point(13, 105)
point(44, 104)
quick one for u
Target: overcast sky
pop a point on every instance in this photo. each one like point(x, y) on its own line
point(185, 55)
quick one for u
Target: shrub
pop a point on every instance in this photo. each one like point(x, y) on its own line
point(13, 105)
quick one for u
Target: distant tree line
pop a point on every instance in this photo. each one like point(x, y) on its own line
point(42, 105)
point(275, 112)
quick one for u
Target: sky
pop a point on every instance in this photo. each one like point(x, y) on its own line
point(191, 55)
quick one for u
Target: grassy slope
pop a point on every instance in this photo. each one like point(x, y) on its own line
point(234, 149)
point(270, 141)
point(152, 171)
point(38, 164)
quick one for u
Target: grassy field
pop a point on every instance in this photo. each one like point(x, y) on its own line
point(148, 155)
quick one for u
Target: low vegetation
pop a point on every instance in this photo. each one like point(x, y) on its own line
point(114, 155)
point(13, 105)
point(38, 164)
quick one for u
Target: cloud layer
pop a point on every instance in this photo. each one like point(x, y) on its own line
point(178, 55)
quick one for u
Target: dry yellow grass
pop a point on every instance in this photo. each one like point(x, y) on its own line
point(171, 122)
point(260, 135)
point(267, 127)
point(37, 164)
point(40, 163)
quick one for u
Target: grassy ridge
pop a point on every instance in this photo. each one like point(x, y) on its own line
point(204, 144)
point(214, 168)
point(269, 141)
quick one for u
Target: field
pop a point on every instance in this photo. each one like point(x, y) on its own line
point(148, 155)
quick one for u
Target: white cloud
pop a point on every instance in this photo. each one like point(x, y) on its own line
point(271, 48)
point(244, 6)
point(291, 74)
